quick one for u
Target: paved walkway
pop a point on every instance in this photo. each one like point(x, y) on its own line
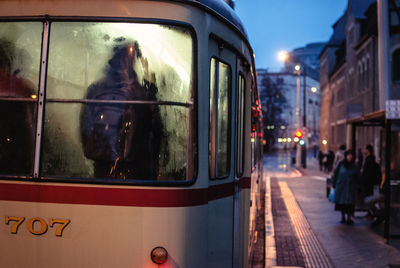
point(315, 230)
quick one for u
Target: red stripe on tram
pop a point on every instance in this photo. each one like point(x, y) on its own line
point(116, 196)
point(245, 183)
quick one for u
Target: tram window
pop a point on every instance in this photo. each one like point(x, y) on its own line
point(240, 125)
point(119, 102)
point(220, 92)
point(20, 44)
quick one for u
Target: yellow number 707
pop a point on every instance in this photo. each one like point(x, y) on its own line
point(32, 221)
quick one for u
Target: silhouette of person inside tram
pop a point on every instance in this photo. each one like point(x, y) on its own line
point(17, 122)
point(123, 139)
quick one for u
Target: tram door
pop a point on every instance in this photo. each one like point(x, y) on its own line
point(221, 161)
point(241, 197)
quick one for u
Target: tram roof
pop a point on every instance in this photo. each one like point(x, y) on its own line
point(222, 9)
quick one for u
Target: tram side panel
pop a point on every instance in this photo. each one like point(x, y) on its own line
point(100, 236)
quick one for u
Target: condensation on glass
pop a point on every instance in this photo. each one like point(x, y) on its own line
point(240, 125)
point(219, 138)
point(119, 102)
point(20, 49)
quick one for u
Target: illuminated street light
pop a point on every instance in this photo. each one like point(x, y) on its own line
point(297, 67)
point(283, 55)
point(324, 142)
point(314, 89)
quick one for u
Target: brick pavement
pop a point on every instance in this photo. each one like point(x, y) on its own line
point(347, 246)
point(288, 251)
point(257, 256)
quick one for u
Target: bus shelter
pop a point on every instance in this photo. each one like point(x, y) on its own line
point(390, 163)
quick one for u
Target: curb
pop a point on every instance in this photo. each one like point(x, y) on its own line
point(270, 246)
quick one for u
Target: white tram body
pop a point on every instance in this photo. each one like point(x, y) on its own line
point(125, 126)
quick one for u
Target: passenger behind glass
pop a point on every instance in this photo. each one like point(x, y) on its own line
point(123, 139)
point(17, 135)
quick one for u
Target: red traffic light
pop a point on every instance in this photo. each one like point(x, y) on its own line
point(299, 134)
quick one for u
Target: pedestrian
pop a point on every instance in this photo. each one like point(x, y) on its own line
point(321, 160)
point(371, 178)
point(339, 155)
point(360, 158)
point(330, 159)
point(344, 181)
point(371, 173)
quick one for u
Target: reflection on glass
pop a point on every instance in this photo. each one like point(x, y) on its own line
point(105, 115)
point(240, 125)
point(20, 45)
point(213, 118)
point(219, 143)
point(223, 119)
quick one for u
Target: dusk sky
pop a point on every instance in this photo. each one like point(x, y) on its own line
point(274, 25)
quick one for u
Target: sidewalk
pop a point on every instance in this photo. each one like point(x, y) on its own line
point(308, 232)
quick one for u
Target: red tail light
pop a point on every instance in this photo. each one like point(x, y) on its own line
point(159, 255)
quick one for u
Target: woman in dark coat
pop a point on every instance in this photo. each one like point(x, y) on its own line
point(345, 179)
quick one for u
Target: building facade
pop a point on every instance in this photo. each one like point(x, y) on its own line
point(356, 81)
point(288, 119)
point(348, 77)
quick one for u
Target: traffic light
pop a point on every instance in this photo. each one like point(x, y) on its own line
point(299, 134)
point(302, 142)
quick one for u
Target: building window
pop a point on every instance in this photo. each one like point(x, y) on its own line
point(360, 77)
point(367, 74)
point(396, 65)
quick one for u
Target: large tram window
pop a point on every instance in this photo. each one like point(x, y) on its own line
point(220, 90)
point(240, 125)
point(20, 47)
point(119, 102)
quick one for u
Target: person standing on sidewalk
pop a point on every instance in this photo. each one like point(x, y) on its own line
point(371, 178)
point(371, 174)
point(339, 155)
point(344, 180)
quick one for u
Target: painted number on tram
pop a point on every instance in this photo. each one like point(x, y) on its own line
point(37, 226)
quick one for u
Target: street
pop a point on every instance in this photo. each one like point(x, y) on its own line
point(307, 230)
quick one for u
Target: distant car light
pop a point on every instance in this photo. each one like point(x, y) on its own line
point(159, 255)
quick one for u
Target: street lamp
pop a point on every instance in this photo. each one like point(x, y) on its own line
point(314, 91)
point(283, 55)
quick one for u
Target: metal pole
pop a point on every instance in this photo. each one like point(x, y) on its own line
point(304, 147)
point(314, 125)
point(298, 149)
point(304, 97)
point(384, 71)
point(386, 187)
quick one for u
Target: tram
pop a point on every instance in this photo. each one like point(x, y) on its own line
point(130, 134)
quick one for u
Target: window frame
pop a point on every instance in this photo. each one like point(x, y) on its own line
point(395, 66)
point(45, 47)
point(240, 118)
point(213, 128)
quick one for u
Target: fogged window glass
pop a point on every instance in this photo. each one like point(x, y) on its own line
point(240, 125)
point(119, 102)
point(20, 47)
point(219, 144)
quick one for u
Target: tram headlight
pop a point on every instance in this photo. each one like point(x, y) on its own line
point(159, 255)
